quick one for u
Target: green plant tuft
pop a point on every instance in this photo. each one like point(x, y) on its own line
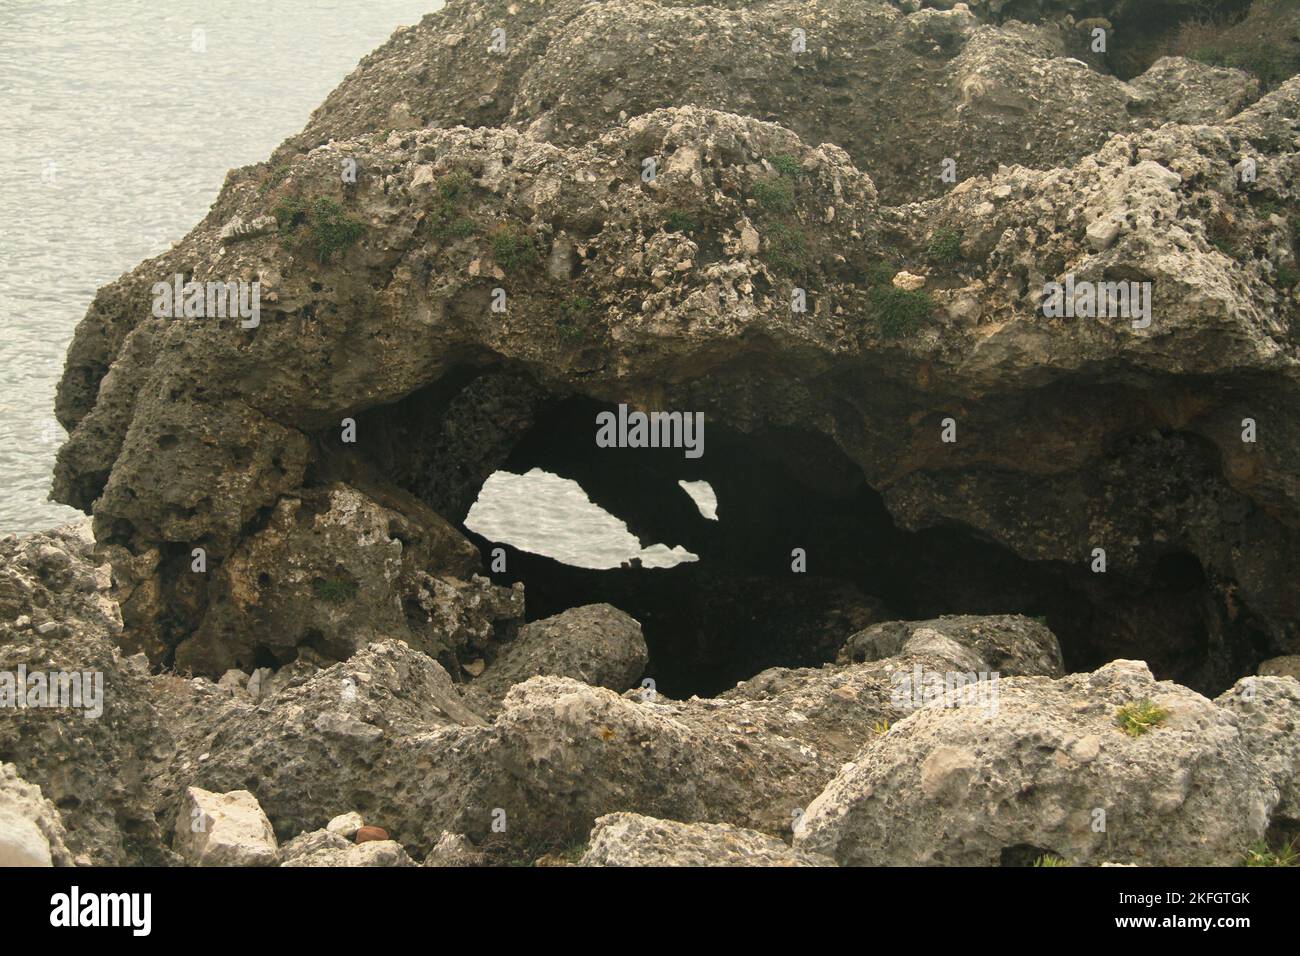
point(513, 249)
point(786, 165)
point(1260, 853)
point(945, 247)
point(1048, 859)
point(899, 312)
point(775, 194)
point(320, 225)
point(573, 314)
point(681, 221)
point(334, 590)
point(446, 222)
point(1139, 718)
point(787, 248)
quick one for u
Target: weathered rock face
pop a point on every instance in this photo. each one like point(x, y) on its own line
point(598, 645)
point(224, 829)
point(31, 832)
point(323, 848)
point(56, 617)
point(629, 839)
point(1268, 713)
point(570, 71)
point(675, 292)
point(1050, 771)
point(1012, 646)
point(388, 733)
point(741, 209)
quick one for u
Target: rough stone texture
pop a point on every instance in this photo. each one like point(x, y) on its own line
point(454, 849)
point(1060, 418)
point(383, 710)
point(1268, 713)
point(963, 786)
point(56, 614)
point(31, 832)
point(1013, 646)
point(598, 645)
point(559, 755)
point(630, 839)
point(319, 852)
point(335, 573)
point(335, 570)
point(989, 94)
point(224, 829)
point(1288, 666)
point(346, 825)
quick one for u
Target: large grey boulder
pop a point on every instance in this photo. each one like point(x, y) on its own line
point(1012, 645)
point(596, 644)
point(1050, 771)
point(1268, 713)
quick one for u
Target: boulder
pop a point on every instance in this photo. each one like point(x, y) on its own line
point(597, 644)
point(454, 849)
point(1268, 714)
point(325, 849)
point(1010, 644)
point(630, 839)
point(1050, 771)
point(224, 829)
point(31, 830)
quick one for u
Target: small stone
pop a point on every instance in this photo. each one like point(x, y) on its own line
point(1102, 234)
point(908, 281)
point(346, 824)
point(366, 834)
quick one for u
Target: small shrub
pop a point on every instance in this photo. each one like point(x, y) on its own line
point(945, 247)
point(1287, 277)
point(879, 273)
point(445, 219)
point(1265, 208)
point(680, 221)
point(880, 728)
point(320, 225)
point(573, 314)
point(513, 249)
point(1139, 718)
point(775, 194)
point(1227, 247)
point(899, 312)
point(786, 165)
point(334, 590)
point(787, 248)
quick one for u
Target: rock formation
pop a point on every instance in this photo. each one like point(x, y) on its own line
point(845, 232)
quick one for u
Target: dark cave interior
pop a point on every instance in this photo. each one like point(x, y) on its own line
point(742, 608)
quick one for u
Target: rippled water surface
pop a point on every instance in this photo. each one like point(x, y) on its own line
point(117, 133)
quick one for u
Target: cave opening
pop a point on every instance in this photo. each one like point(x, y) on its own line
point(801, 553)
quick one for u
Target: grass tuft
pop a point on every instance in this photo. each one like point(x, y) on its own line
point(1139, 718)
point(320, 225)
